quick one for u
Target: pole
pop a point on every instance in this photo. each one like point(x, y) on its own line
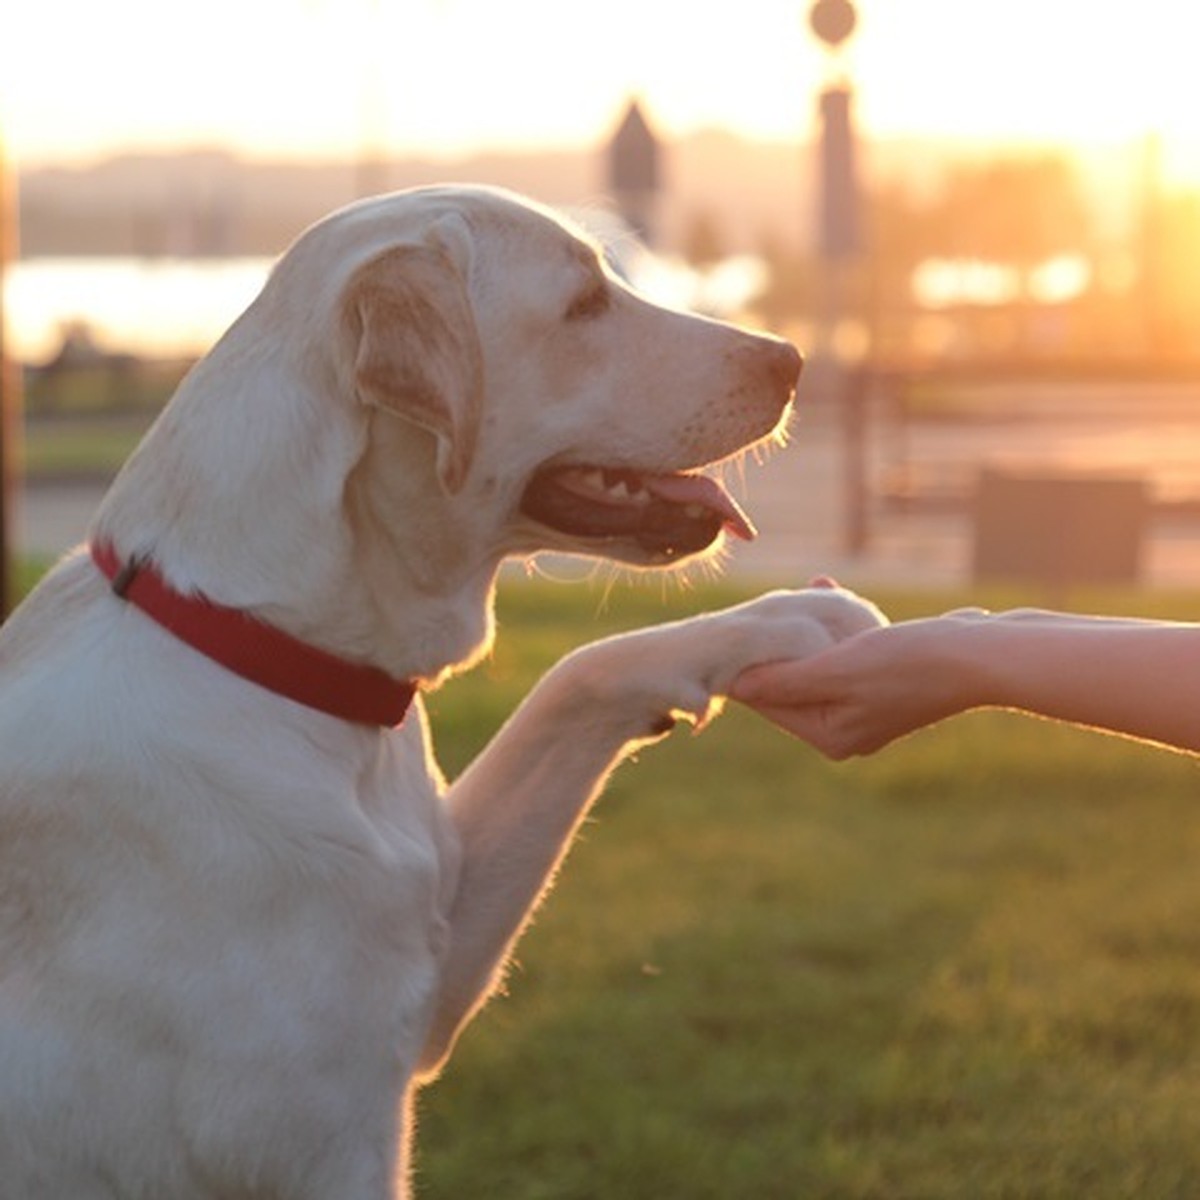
point(855, 387)
point(839, 246)
point(10, 398)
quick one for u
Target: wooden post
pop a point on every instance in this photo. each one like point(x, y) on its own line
point(10, 399)
point(854, 386)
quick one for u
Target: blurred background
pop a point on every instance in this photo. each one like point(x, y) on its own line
point(980, 221)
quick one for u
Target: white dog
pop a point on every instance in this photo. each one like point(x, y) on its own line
point(241, 916)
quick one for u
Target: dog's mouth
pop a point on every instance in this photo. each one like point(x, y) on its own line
point(667, 516)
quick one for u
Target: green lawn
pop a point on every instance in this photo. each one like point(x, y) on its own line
point(85, 422)
point(966, 968)
point(81, 447)
point(969, 967)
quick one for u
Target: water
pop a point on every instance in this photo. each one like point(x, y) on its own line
point(177, 307)
point(156, 308)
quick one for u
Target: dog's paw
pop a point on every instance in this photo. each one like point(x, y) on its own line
point(840, 612)
point(645, 681)
point(790, 625)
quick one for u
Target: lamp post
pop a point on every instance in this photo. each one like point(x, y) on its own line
point(839, 235)
point(833, 21)
point(839, 244)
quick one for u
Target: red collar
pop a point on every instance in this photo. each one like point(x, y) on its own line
point(259, 652)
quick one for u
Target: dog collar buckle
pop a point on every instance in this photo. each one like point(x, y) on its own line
point(122, 580)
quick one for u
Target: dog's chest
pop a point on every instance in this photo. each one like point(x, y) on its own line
point(367, 911)
point(345, 967)
point(236, 957)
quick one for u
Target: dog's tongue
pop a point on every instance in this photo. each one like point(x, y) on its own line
point(705, 492)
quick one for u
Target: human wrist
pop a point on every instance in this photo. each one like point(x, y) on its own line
point(977, 650)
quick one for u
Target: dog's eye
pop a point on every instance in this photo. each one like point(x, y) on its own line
point(590, 303)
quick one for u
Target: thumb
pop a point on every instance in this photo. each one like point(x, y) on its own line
point(786, 682)
point(811, 724)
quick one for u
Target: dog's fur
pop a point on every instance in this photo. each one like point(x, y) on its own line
point(234, 931)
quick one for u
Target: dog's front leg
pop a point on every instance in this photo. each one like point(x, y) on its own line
point(516, 806)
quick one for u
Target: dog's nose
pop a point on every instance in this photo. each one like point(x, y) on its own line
point(785, 365)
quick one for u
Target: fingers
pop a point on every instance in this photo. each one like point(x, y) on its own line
point(807, 724)
point(821, 726)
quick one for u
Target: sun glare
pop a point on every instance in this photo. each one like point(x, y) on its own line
point(1048, 71)
point(440, 77)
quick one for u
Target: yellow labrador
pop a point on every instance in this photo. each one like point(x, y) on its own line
point(241, 914)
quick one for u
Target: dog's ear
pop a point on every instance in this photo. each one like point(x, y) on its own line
point(417, 352)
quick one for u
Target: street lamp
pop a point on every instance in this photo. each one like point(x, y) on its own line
point(833, 21)
point(839, 237)
point(839, 246)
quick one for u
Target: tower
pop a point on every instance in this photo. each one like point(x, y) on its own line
point(635, 172)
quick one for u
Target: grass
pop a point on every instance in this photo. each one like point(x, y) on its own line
point(81, 447)
point(967, 967)
point(123, 385)
point(84, 422)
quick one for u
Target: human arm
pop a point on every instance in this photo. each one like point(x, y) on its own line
point(1126, 676)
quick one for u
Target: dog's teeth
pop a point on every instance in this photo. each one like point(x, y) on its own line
point(617, 487)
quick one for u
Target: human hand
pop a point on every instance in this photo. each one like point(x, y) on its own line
point(866, 691)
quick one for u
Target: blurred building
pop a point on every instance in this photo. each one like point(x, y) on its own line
point(634, 163)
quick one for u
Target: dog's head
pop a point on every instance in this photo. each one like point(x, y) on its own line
point(555, 405)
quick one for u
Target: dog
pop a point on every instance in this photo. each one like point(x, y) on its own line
point(242, 915)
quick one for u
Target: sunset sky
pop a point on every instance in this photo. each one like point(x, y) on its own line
point(446, 77)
